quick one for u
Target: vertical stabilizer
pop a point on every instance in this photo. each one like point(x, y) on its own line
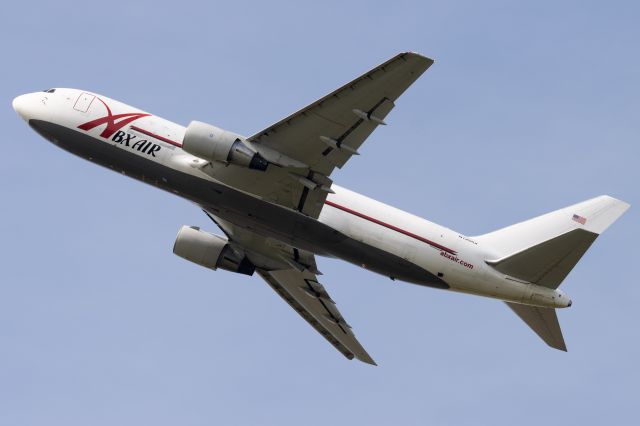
point(543, 250)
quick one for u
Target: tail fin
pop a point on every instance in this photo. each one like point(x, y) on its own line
point(543, 250)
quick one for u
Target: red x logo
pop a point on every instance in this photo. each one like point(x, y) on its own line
point(110, 121)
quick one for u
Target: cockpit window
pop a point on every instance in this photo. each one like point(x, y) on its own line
point(50, 91)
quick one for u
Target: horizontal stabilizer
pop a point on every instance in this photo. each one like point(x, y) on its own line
point(543, 321)
point(548, 263)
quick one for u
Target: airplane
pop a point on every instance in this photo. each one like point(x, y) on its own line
point(272, 197)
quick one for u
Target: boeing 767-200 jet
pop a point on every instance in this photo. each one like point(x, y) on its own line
point(272, 196)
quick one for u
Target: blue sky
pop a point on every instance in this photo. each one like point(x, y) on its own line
point(528, 108)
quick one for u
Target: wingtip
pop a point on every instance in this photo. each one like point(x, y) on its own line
point(418, 55)
point(363, 357)
point(561, 347)
point(366, 359)
point(369, 361)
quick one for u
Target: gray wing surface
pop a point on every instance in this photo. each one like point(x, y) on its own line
point(321, 137)
point(325, 134)
point(292, 274)
point(310, 299)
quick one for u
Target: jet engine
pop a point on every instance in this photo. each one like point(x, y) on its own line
point(214, 144)
point(210, 251)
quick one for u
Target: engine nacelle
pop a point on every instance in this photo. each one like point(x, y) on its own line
point(210, 251)
point(214, 144)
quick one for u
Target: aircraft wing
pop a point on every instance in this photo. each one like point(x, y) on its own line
point(325, 134)
point(309, 144)
point(308, 297)
point(292, 273)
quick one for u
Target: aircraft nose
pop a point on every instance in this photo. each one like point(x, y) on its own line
point(21, 106)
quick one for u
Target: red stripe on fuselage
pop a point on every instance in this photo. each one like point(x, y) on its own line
point(153, 135)
point(332, 204)
point(389, 226)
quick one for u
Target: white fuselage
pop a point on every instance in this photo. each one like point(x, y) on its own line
point(456, 259)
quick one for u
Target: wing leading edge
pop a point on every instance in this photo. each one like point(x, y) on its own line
point(308, 145)
point(326, 133)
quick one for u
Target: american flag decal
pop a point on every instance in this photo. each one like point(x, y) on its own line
point(581, 220)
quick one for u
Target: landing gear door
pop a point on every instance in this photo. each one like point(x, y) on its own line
point(83, 102)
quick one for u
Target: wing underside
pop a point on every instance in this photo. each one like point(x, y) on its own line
point(310, 299)
point(326, 133)
point(292, 274)
point(304, 148)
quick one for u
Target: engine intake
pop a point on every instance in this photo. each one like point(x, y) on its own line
point(215, 144)
point(210, 251)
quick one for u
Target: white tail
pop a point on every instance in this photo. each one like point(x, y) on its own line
point(543, 250)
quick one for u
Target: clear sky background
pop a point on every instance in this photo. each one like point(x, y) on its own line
point(529, 107)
